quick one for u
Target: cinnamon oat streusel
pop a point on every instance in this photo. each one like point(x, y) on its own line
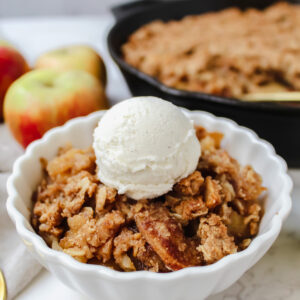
point(228, 53)
point(213, 212)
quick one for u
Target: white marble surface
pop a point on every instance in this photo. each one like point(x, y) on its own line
point(275, 277)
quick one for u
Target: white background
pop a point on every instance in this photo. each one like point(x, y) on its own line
point(16, 8)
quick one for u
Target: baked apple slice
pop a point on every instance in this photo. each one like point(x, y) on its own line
point(165, 236)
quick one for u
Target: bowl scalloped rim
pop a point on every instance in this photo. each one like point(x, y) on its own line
point(59, 257)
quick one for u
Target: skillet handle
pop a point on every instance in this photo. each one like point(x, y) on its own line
point(126, 9)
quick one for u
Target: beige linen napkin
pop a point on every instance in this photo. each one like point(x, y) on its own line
point(17, 264)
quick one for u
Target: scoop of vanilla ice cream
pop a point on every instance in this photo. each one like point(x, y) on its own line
point(145, 145)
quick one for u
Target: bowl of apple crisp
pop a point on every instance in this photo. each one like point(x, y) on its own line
point(212, 214)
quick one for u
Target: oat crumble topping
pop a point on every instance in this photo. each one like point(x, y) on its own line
point(213, 212)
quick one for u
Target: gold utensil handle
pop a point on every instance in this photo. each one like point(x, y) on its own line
point(2, 287)
point(276, 97)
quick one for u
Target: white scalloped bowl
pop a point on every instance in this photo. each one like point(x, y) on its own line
point(99, 282)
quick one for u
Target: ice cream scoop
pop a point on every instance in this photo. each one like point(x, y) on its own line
point(143, 146)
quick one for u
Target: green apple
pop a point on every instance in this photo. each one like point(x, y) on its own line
point(42, 99)
point(76, 57)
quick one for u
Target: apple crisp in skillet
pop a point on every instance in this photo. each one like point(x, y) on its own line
point(228, 53)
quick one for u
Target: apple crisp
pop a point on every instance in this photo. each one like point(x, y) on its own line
point(213, 212)
point(228, 53)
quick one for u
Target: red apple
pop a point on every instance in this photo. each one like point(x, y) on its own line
point(12, 66)
point(42, 99)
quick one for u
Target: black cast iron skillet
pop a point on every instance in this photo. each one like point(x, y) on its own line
point(276, 122)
